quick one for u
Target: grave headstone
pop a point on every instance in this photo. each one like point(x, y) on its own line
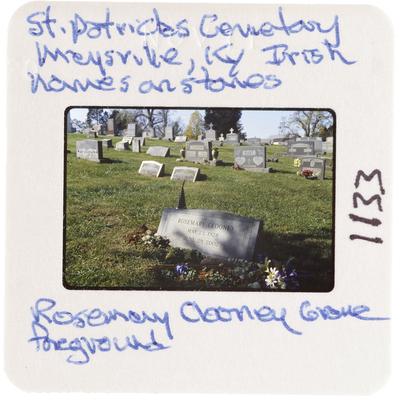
point(184, 173)
point(180, 138)
point(136, 145)
point(90, 150)
point(252, 158)
point(122, 145)
point(107, 143)
point(169, 133)
point(131, 130)
point(315, 164)
point(211, 232)
point(198, 151)
point(160, 151)
point(232, 138)
point(253, 141)
point(149, 133)
point(90, 133)
point(151, 168)
point(301, 149)
point(111, 126)
point(211, 134)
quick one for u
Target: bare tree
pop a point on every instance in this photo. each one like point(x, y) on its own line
point(307, 122)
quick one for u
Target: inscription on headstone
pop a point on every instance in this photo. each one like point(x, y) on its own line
point(211, 232)
point(198, 151)
point(184, 173)
point(315, 164)
point(252, 158)
point(160, 151)
point(151, 168)
point(90, 150)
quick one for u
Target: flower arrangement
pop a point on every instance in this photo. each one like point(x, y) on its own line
point(284, 278)
point(153, 239)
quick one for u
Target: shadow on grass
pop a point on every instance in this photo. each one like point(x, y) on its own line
point(106, 160)
point(313, 256)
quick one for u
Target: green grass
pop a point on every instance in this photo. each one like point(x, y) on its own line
point(106, 202)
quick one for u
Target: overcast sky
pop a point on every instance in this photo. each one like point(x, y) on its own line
point(256, 123)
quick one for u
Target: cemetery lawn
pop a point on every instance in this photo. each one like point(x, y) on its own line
point(106, 203)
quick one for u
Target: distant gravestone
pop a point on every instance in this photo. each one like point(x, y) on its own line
point(211, 134)
point(328, 145)
point(169, 133)
point(315, 164)
point(90, 132)
point(211, 232)
point(111, 126)
point(122, 145)
point(149, 133)
point(301, 149)
point(232, 138)
point(160, 151)
point(184, 173)
point(252, 158)
point(89, 150)
point(151, 168)
point(127, 139)
point(107, 143)
point(180, 138)
point(253, 141)
point(131, 130)
point(136, 145)
point(198, 151)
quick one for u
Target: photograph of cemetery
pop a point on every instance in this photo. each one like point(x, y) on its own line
point(218, 199)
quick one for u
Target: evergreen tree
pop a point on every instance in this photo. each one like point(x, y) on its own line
point(223, 120)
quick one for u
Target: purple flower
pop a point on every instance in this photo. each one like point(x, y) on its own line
point(182, 268)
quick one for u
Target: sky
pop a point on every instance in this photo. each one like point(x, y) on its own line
point(256, 123)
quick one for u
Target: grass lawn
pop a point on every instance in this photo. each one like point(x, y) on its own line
point(107, 202)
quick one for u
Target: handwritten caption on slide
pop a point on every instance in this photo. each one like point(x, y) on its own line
point(222, 51)
point(153, 331)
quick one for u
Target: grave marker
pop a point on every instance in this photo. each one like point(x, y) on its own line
point(198, 151)
point(160, 151)
point(211, 232)
point(151, 168)
point(184, 173)
point(252, 158)
point(315, 164)
point(89, 150)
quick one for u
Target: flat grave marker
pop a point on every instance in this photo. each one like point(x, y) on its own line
point(184, 173)
point(211, 232)
point(160, 151)
point(151, 168)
